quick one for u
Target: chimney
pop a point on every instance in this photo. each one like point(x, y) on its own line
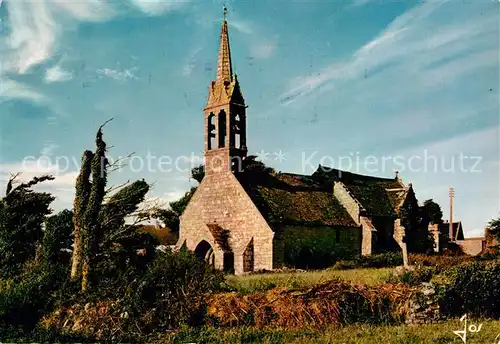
point(452, 194)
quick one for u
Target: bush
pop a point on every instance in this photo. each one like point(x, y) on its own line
point(440, 262)
point(381, 260)
point(25, 298)
point(472, 288)
point(172, 290)
point(413, 277)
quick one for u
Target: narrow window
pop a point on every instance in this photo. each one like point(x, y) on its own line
point(211, 131)
point(222, 129)
point(237, 131)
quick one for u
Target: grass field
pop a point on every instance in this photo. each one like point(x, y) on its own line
point(261, 282)
point(441, 333)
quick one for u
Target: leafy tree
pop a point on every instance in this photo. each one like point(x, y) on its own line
point(431, 212)
point(418, 237)
point(170, 217)
point(198, 172)
point(120, 205)
point(493, 230)
point(91, 230)
point(57, 238)
point(100, 224)
point(22, 215)
point(82, 195)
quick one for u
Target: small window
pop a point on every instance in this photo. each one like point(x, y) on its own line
point(211, 131)
point(222, 129)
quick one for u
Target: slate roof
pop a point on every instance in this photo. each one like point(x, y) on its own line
point(379, 196)
point(285, 198)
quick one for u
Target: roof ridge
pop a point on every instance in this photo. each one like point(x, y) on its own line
point(325, 169)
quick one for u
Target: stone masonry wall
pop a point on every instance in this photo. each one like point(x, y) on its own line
point(472, 246)
point(345, 198)
point(368, 236)
point(399, 232)
point(352, 206)
point(221, 199)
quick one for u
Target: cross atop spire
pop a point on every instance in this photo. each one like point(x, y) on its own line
point(224, 67)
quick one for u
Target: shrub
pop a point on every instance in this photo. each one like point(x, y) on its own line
point(413, 277)
point(23, 299)
point(381, 260)
point(169, 292)
point(470, 288)
point(172, 290)
point(438, 261)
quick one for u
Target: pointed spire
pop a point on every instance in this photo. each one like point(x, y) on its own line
point(224, 67)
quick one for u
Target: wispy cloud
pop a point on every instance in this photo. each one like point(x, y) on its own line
point(474, 178)
point(34, 29)
point(57, 74)
point(413, 43)
point(263, 49)
point(35, 26)
point(241, 25)
point(158, 7)
point(48, 148)
point(192, 61)
point(63, 186)
point(10, 89)
point(120, 75)
point(359, 3)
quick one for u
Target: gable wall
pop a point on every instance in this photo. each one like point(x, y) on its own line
point(220, 198)
point(347, 200)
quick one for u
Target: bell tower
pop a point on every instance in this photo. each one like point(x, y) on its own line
point(225, 115)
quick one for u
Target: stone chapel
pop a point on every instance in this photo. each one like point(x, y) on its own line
point(248, 224)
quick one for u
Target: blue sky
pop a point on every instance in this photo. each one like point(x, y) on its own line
point(390, 84)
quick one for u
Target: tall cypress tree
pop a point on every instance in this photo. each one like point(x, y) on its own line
point(82, 195)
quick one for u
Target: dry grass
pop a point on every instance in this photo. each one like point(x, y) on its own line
point(441, 333)
point(330, 303)
point(290, 280)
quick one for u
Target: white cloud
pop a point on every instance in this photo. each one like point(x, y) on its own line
point(358, 3)
point(57, 74)
point(10, 89)
point(35, 27)
point(192, 61)
point(240, 25)
point(173, 195)
point(477, 188)
point(62, 187)
point(410, 45)
point(158, 7)
point(48, 149)
point(263, 50)
point(120, 75)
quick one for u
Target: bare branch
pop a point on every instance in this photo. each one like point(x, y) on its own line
point(11, 182)
point(102, 125)
point(114, 188)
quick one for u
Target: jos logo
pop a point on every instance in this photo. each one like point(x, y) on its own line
point(472, 328)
